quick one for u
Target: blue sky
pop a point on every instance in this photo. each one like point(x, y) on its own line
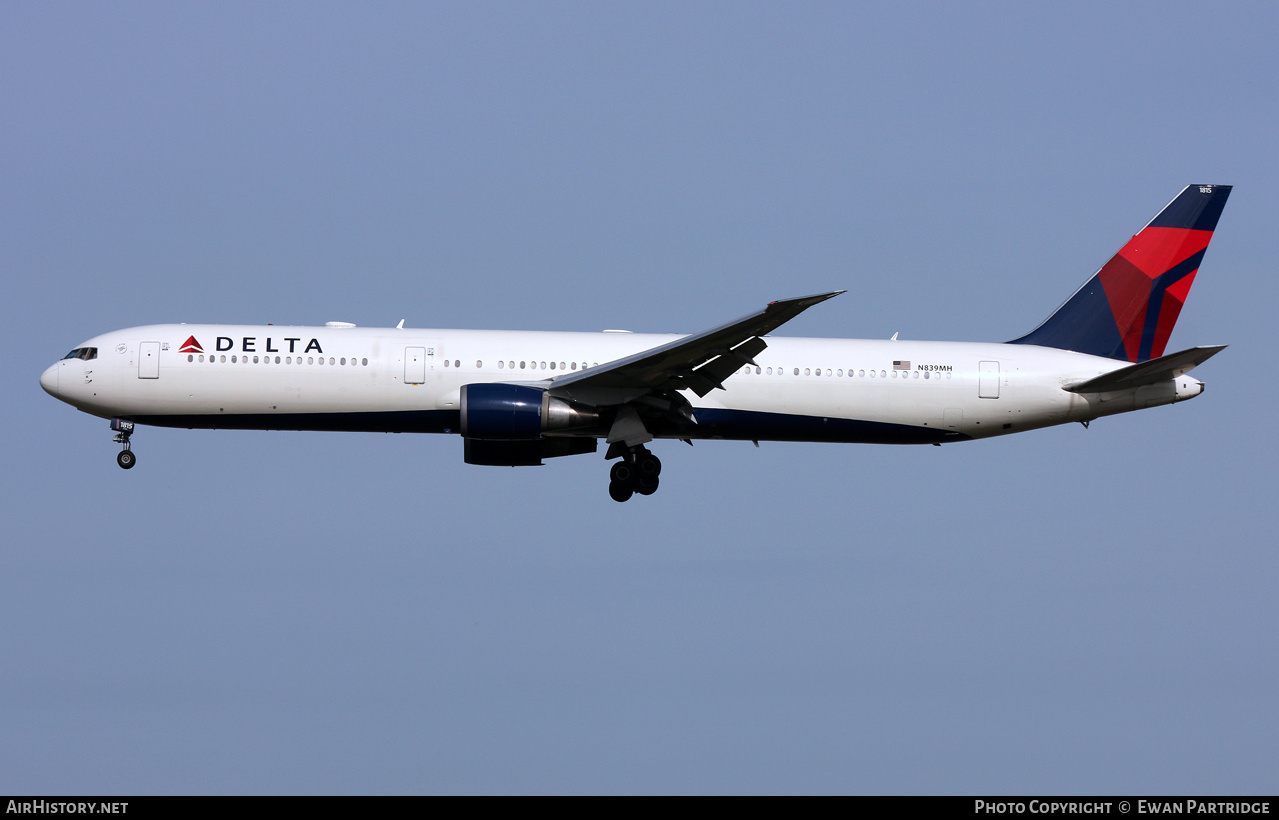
point(1066, 611)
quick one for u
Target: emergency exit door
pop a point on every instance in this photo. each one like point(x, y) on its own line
point(988, 380)
point(414, 365)
point(149, 360)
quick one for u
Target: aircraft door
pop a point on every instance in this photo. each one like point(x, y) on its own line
point(988, 380)
point(149, 360)
point(414, 365)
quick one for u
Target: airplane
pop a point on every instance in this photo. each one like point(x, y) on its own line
point(519, 397)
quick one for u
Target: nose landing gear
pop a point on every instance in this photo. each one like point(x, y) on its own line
point(637, 472)
point(124, 429)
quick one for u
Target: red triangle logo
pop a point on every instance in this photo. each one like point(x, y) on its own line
point(190, 346)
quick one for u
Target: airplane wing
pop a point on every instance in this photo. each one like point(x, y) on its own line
point(699, 363)
point(1151, 372)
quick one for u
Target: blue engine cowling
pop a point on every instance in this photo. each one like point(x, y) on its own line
point(513, 412)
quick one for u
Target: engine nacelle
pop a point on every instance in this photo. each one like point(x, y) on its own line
point(513, 412)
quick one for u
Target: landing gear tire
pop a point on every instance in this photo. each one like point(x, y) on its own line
point(126, 459)
point(648, 466)
point(636, 473)
point(623, 472)
point(620, 491)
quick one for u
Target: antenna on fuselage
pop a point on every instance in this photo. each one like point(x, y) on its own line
point(400, 326)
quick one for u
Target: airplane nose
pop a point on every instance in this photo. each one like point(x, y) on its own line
point(49, 380)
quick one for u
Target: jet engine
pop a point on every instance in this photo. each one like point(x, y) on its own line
point(512, 412)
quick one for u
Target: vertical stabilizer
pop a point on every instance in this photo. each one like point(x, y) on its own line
point(1128, 308)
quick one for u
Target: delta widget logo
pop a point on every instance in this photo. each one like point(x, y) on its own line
point(190, 346)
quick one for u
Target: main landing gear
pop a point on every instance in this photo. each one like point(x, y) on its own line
point(124, 429)
point(636, 473)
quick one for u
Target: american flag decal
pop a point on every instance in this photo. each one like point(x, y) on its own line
point(901, 365)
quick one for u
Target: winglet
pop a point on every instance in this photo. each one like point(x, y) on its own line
point(805, 302)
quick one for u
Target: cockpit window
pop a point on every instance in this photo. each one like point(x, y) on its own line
point(85, 353)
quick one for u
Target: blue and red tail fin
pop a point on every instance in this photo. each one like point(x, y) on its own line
point(1128, 308)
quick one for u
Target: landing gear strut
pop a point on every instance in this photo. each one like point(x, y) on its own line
point(124, 429)
point(637, 472)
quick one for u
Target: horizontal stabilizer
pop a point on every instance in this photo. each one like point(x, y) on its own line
point(1151, 372)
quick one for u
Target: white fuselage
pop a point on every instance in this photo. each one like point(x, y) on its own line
point(348, 378)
